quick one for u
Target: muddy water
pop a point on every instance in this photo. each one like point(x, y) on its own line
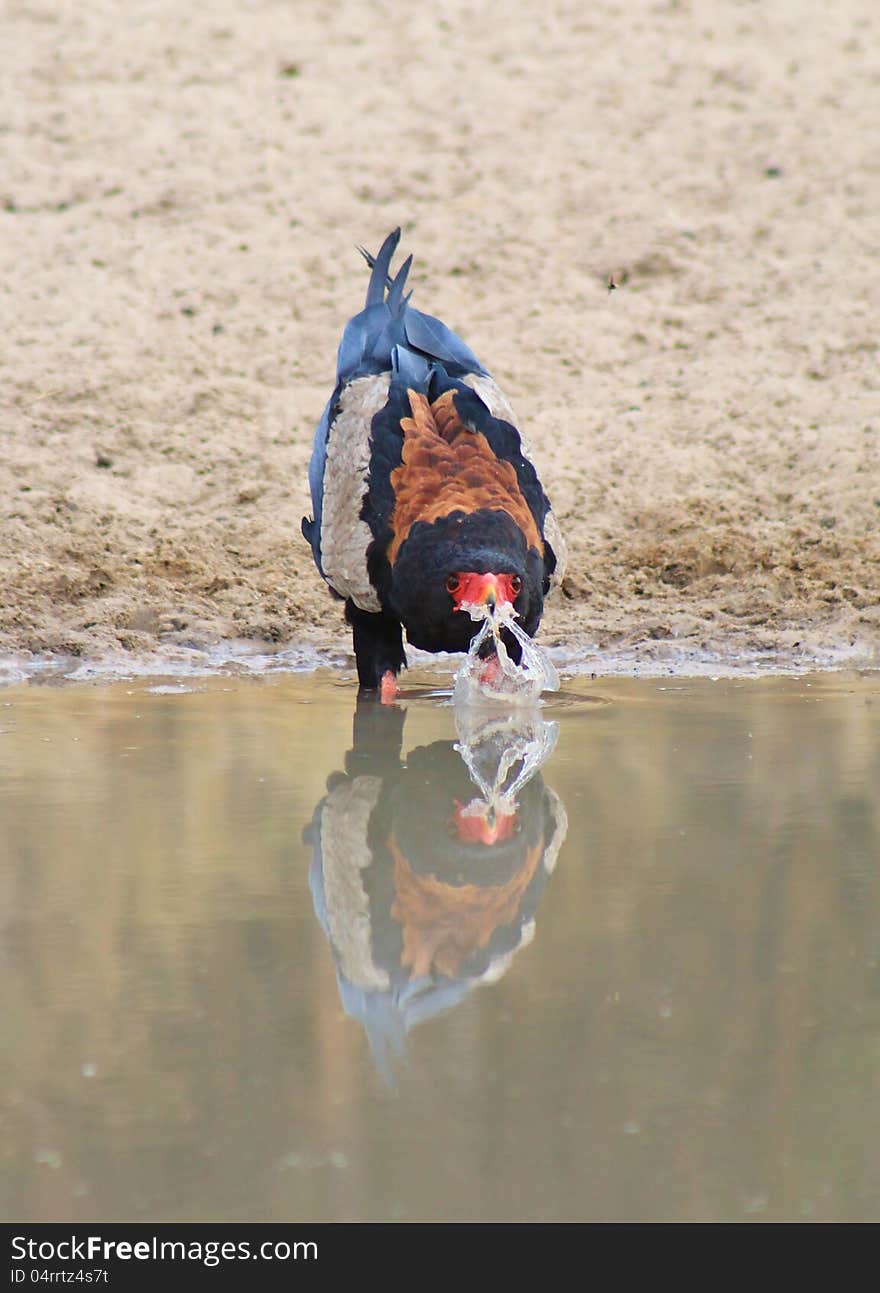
point(267, 958)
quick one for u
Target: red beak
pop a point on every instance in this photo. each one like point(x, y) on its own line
point(487, 590)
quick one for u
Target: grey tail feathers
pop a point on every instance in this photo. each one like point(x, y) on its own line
point(410, 369)
point(381, 278)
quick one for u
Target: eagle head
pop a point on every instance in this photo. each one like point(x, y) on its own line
point(464, 560)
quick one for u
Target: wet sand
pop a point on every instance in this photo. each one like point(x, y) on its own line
point(180, 199)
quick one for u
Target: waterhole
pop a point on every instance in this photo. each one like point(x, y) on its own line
point(270, 954)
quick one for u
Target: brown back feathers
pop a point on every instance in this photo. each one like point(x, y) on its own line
point(447, 468)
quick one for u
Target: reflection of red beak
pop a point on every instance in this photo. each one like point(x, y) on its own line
point(487, 590)
point(474, 828)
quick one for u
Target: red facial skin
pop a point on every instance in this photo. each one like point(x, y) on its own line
point(467, 587)
point(479, 830)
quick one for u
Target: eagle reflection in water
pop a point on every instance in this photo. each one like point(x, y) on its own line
point(426, 873)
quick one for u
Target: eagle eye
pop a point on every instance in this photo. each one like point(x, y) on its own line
point(453, 583)
point(516, 583)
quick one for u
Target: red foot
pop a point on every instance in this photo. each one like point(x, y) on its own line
point(490, 671)
point(388, 688)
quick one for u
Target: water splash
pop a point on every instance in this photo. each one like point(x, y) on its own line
point(500, 678)
point(502, 752)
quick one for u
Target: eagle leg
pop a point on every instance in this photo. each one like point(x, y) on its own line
point(378, 646)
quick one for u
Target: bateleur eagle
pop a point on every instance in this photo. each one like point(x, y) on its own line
point(424, 497)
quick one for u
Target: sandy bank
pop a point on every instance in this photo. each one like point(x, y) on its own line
point(179, 203)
